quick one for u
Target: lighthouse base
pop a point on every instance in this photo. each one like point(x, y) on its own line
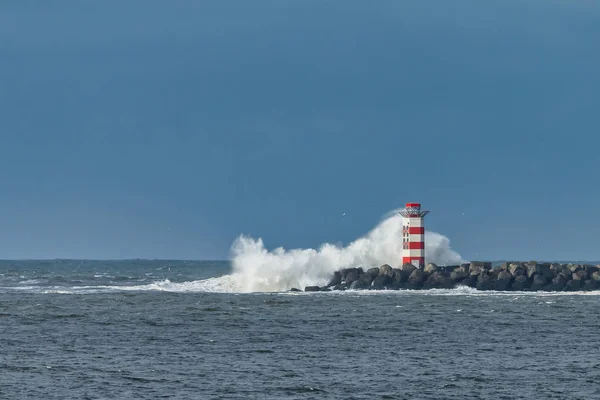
point(418, 262)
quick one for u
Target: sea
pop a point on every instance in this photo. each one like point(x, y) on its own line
point(156, 329)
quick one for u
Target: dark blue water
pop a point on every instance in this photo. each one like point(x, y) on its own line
point(82, 330)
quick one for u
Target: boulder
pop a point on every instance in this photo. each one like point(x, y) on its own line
point(573, 285)
point(448, 268)
point(386, 270)
point(503, 280)
point(415, 280)
point(590, 284)
point(437, 280)
point(295, 290)
point(366, 279)
point(557, 284)
point(430, 268)
point(381, 281)
point(596, 276)
point(545, 270)
point(520, 283)
point(574, 268)
point(350, 278)
point(590, 269)
point(398, 281)
point(556, 269)
point(477, 267)
point(336, 279)
point(470, 281)
point(516, 269)
point(373, 272)
point(530, 268)
point(505, 266)
point(539, 282)
point(459, 274)
point(312, 289)
point(580, 275)
point(359, 284)
point(408, 268)
point(485, 281)
point(349, 275)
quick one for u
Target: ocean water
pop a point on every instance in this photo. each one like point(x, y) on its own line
point(179, 330)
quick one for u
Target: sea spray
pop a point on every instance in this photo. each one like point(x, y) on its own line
point(256, 269)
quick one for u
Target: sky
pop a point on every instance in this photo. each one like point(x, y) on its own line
point(152, 129)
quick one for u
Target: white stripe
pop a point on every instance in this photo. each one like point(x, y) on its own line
point(416, 238)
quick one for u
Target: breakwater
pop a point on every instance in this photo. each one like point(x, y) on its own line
point(516, 276)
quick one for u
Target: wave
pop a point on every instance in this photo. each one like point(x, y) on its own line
point(228, 284)
point(256, 269)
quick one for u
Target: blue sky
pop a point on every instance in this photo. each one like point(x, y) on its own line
point(157, 129)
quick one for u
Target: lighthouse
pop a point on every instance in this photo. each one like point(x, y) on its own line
point(413, 235)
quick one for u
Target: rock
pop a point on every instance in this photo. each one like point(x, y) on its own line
point(477, 267)
point(558, 283)
point(408, 269)
point(350, 276)
point(496, 270)
point(381, 281)
point(505, 266)
point(573, 285)
point(398, 279)
point(539, 269)
point(545, 271)
point(312, 289)
point(516, 269)
point(295, 290)
point(349, 272)
point(359, 284)
point(385, 270)
point(556, 269)
point(458, 275)
point(590, 284)
point(503, 280)
point(485, 281)
point(366, 279)
point(430, 268)
point(580, 275)
point(520, 283)
point(373, 272)
point(530, 268)
point(596, 276)
point(437, 280)
point(470, 281)
point(415, 280)
point(539, 282)
point(448, 268)
point(336, 279)
point(574, 268)
point(590, 269)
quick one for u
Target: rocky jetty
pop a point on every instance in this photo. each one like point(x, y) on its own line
point(516, 276)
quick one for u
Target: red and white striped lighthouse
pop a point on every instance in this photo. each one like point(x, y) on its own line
point(413, 235)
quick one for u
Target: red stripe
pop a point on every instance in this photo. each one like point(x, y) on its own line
point(415, 230)
point(416, 245)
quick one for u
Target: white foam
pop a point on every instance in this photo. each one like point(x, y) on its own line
point(257, 269)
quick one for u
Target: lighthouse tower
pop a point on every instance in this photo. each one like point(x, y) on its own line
point(413, 235)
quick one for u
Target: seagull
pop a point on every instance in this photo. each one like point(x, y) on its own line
point(343, 214)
